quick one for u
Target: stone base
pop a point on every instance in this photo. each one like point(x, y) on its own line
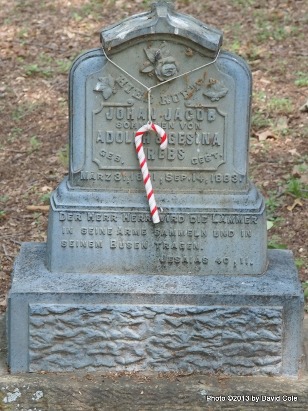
point(234, 325)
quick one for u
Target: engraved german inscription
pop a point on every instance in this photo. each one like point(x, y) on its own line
point(130, 245)
point(194, 111)
point(182, 259)
point(81, 244)
point(204, 140)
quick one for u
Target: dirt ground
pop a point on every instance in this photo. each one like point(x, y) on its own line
point(39, 41)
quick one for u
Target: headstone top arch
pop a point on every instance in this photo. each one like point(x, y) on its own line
point(160, 20)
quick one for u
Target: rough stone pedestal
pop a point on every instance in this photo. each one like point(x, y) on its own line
point(243, 326)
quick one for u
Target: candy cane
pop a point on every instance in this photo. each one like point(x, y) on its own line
point(144, 166)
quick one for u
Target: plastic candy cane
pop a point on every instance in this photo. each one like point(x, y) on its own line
point(144, 166)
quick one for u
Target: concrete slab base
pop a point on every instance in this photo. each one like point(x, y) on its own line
point(150, 323)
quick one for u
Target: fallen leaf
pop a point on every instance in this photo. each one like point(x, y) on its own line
point(293, 152)
point(46, 189)
point(304, 108)
point(265, 135)
point(297, 202)
point(264, 81)
point(269, 225)
point(282, 123)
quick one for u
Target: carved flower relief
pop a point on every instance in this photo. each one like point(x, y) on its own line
point(165, 68)
point(106, 85)
point(215, 90)
point(160, 62)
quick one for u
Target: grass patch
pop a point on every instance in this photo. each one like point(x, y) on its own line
point(260, 119)
point(45, 198)
point(277, 105)
point(14, 134)
point(272, 26)
point(45, 66)
point(244, 3)
point(63, 66)
point(32, 70)
point(272, 203)
point(4, 198)
point(20, 112)
point(2, 214)
point(63, 155)
point(35, 144)
point(275, 243)
point(302, 79)
point(299, 262)
point(297, 188)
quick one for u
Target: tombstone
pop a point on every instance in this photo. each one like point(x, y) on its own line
point(212, 218)
point(184, 283)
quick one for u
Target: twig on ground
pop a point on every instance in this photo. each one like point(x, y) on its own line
point(6, 253)
point(14, 241)
point(37, 208)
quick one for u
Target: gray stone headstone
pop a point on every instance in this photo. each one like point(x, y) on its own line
point(196, 292)
point(212, 216)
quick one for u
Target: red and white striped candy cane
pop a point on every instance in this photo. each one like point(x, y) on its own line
point(144, 166)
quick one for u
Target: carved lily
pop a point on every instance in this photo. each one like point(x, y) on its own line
point(106, 86)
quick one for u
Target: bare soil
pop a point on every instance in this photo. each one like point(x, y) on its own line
point(39, 41)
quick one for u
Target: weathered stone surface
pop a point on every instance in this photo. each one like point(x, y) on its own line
point(161, 20)
point(118, 240)
point(79, 391)
point(246, 325)
point(236, 340)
